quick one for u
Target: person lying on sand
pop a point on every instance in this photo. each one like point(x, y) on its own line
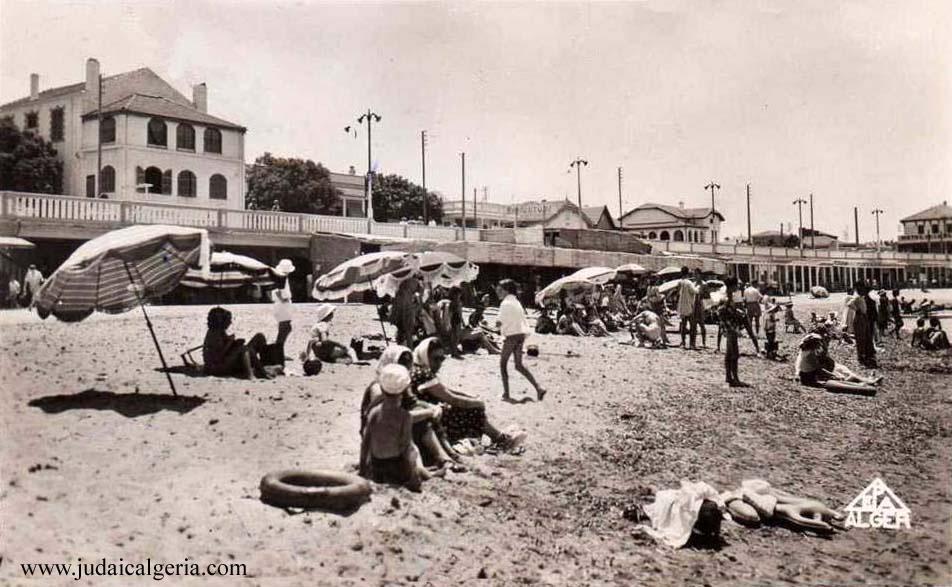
point(428, 435)
point(224, 355)
point(474, 336)
point(387, 452)
point(756, 502)
point(815, 368)
point(320, 345)
point(464, 416)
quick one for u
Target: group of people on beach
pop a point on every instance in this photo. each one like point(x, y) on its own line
point(13, 294)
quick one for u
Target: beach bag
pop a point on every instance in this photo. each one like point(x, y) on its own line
point(312, 367)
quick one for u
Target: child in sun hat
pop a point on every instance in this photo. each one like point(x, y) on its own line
point(770, 331)
point(387, 452)
point(281, 301)
point(320, 344)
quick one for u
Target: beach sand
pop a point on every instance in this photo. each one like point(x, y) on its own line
point(136, 479)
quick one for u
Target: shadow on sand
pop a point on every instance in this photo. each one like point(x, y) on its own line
point(130, 405)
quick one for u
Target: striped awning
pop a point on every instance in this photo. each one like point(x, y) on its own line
point(111, 273)
point(228, 270)
point(356, 275)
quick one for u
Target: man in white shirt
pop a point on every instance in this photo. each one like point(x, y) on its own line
point(514, 327)
point(687, 291)
point(752, 299)
point(31, 284)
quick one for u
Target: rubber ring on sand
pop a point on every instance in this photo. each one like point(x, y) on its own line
point(327, 490)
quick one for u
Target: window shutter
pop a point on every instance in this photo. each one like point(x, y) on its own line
point(167, 181)
point(140, 176)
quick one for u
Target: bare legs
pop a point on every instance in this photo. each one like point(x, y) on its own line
point(512, 346)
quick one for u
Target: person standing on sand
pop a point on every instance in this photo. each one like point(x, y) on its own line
point(896, 313)
point(514, 327)
point(687, 292)
point(731, 321)
point(752, 299)
point(863, 327)
point(31, 284)
point(281, 298)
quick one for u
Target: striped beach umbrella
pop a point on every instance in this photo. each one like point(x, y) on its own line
point(227, 270)
point(435, 268)
point(599, 275)
point(122, 269)
point(357, 274)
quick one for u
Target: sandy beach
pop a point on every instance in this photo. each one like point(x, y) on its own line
point(111, 475)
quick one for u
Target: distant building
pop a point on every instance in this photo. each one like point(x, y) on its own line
point(350, 186)
point(929, 231)
point(549, 214)
point(816, 239)
point(599, 217)
point(674, 223)
point(774, 238)
point(157, 145)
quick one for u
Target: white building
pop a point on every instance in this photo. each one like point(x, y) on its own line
point(675, 223)
point(157, 145)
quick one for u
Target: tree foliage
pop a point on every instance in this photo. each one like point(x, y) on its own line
point(27, 162)
point(397, 198)
point(298, 185)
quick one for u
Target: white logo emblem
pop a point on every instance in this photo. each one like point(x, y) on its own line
point(877, 507)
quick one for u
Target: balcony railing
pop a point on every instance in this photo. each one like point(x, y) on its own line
point(792, 254)
point(113, 213)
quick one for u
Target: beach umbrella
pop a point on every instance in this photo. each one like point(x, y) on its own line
point(668, 286)
point(631, 269)
point(435, 268)
point(122, 269)
point(573, 285)
point(227, 270)
point(357, 274)
point(599, 275)
point(818, 291)
point(669, 271)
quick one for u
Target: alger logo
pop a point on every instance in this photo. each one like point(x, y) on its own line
point(877, 507)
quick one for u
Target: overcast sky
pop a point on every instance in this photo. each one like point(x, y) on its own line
point(848, 100)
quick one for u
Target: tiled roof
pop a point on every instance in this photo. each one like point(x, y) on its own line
point(163, 107)
point(140, 91)
point(677, 211)
point(937, 212)
point(594, 213)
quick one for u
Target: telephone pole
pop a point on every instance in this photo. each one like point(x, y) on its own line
point(856, 225)
point(812, 232)
point(750, 236)
point(462, 160)
point(426, 197)
point(99, 142)
point(621, 212)
point(879, 243)
point(799, 202)
point(713, 186)
point(370, 116)
point(577, 164)
point(475, 215)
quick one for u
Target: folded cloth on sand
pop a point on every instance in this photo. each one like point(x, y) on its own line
point(675, 511)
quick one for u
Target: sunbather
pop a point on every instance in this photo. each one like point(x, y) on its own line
point(227, 356)
point(646, 329)
point(815, 368)
point(320, 345)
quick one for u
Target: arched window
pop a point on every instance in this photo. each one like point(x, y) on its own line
point(107, 132)
point(185, 137)
point(678, 236)
point(153, 177)
point(158, 135)
point(218, 187)
point(652, 235)
point(665, 236)
point(107, 181)
point(212, 140)
point(186, 184)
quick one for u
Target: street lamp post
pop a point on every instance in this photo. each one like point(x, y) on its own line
point(426, 198)
point(713, 186)
point(621, 212)
point(370, 117)
point(577, 164)
point(879, 243)
point(799, 202)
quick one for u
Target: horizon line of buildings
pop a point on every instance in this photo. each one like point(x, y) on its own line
point(157, 145)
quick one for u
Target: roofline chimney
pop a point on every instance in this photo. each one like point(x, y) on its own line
point(200, 97)
point(92, 79)
point(34, 86)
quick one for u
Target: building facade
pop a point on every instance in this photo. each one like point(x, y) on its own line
point(156, 145)
point(929, 231)
point(674, 223)
point(350, 187)
point(548, 214)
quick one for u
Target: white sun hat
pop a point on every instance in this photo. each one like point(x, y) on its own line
point(284, 267)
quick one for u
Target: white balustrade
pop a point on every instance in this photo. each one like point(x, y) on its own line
point(143, 213)
point(388, 229)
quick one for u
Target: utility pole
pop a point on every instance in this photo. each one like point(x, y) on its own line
point(475, 215)
point(799, 202)
point(879, 243)
point(812, 232)
point(856, 225)
point(750, 236)
point(577, 164)
point(462, 159)
point(99, 142)
point(426, 197)
point(370, 116)
point(621, 212)
point(713, 186)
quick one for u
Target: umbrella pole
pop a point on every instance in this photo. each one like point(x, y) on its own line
point(379, 317)
point(148, 323)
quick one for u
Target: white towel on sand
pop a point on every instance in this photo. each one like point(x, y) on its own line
point(675, 511)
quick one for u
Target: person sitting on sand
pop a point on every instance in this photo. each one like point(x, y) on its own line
point(592, 323)
point(919, 334)
point(790, 320)
point(646, 329)
point(815, 367)
point(568, 325)
point(320, 345)
point(428, 435)
point(224, 355)
point(475, 336)
point(936, 338)
point(544, 323)
point(464, 416)
point(387, 452)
